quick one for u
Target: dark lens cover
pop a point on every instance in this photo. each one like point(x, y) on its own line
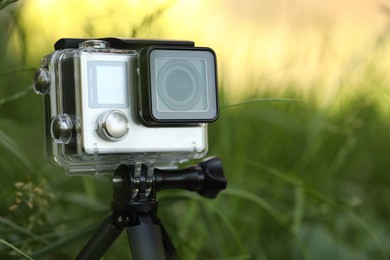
point(179, 86)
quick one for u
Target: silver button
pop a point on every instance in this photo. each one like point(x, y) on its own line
point(112, 125)
point(96, 44)
point(61, 129)
point(42, 81)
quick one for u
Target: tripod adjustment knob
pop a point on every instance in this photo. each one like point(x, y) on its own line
point(214, 178)
point(207, 178)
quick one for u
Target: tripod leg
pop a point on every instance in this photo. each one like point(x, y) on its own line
point(170, 249)
point(101, 240)
point(145, 239)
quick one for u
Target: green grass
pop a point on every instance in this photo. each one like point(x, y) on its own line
point(306, 181)
point(317, 179)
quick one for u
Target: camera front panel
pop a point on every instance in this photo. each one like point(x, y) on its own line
point(109, 115)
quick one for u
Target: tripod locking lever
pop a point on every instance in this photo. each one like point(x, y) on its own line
point(207, 178)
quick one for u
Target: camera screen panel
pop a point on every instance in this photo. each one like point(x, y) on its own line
point(108, 84)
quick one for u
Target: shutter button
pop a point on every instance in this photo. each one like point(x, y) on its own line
point(112, 125)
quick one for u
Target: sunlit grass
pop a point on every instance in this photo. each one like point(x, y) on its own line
point(307, 45)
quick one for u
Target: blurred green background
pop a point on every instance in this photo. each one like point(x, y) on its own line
point(303, 132)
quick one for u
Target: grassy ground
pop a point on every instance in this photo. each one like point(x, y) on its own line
point(306, 181)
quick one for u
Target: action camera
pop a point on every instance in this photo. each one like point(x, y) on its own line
point(119, 101)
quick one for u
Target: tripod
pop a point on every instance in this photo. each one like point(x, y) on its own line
point(134, 207)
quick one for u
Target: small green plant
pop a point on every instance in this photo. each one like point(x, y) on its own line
point(32, 202)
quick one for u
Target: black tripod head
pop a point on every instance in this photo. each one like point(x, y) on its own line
point(134, 206)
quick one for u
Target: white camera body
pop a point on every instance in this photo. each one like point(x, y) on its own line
point(99, 115)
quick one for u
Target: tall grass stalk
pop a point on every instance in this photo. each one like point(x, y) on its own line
point(5, 3)
point(14, 248)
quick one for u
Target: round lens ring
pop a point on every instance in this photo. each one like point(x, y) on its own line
point(178, 85)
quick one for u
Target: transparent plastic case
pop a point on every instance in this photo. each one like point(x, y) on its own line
point(92, 125)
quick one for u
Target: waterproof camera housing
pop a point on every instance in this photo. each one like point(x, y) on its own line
point(113, 101)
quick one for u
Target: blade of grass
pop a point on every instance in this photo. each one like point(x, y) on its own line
point(148, 20)
point(316, 194)
point(16, 96)
point(15, 71)
point(213, 208)
point(351, 214)
point(21, 229)
point(8, 143)
point(5, 3)
point(243, 194)
point(280, 175)
point(231, 228)
point(14, 248)
point(260, 100)
point(66, 240)
point(299, 194)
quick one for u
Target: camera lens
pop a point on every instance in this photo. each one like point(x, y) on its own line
point(179, 85)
